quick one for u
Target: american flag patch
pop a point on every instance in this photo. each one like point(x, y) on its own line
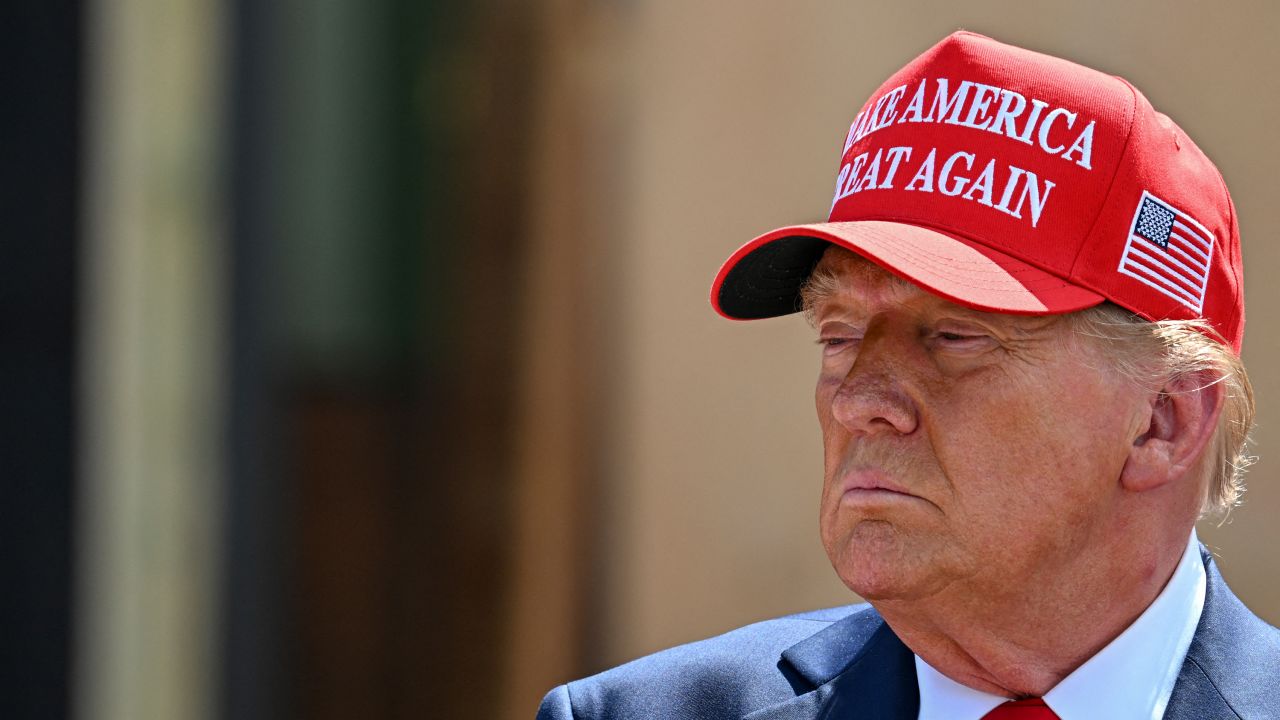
point(1169, 251)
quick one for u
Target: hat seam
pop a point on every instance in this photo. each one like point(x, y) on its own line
point(1106, 198)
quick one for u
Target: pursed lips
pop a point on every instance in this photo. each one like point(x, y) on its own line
point(866, 482)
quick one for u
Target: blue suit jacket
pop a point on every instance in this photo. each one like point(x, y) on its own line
point(847, 663)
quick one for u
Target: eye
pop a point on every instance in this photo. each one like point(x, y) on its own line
point(836, 344)
point(963, 340)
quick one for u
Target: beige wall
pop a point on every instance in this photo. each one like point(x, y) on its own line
point(733, 115)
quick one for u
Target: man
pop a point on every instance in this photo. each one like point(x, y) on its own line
point(1029, 304)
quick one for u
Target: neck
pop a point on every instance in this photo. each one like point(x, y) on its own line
point(1022, 640)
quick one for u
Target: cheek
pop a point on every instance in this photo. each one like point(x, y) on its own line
point(835, 442)
point(834, 437)
point(1042, 445)
point(828, 385)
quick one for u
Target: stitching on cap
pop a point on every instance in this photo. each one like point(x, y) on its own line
point(1106, 198)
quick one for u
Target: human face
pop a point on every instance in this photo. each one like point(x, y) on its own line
point(960, 446)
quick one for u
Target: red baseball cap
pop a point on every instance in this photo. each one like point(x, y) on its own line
point(1009, 181)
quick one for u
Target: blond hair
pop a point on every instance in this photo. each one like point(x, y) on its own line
point(1165, 353)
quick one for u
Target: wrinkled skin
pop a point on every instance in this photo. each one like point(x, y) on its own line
point(1004, 440)
point(988, 473)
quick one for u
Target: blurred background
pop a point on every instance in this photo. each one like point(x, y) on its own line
point(357, 356)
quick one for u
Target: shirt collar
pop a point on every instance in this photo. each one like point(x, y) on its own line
point(1132, 677)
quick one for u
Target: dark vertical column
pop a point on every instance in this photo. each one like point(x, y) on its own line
point(40, 126)
point(476, 129)
point(255, 661)
point(371, 416)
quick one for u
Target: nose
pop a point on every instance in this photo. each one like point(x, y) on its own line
point(871, 399)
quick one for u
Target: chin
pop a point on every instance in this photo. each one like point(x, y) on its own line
point(875, 561)
point(877, 583)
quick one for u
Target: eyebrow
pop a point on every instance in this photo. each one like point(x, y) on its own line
point(815, 290)
point(824, 282)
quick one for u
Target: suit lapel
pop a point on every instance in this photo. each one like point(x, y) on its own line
point(1195, 697)
point(1231, 667)
point(857, 669)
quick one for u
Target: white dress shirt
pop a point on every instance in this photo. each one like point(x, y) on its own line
point(1132, 677)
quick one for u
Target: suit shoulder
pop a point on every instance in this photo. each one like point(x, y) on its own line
point(1233, 655)
point(747, 645)
point(825, 615)
point(733, 672)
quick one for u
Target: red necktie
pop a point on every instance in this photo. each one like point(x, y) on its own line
point(1032, 709)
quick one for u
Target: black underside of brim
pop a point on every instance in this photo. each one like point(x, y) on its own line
point(766, 282)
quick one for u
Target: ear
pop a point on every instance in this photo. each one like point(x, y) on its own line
point(1182, 418)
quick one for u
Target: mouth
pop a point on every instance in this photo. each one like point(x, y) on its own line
point(867, 485)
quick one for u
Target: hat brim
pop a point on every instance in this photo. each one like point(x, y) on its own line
point(763, 278)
